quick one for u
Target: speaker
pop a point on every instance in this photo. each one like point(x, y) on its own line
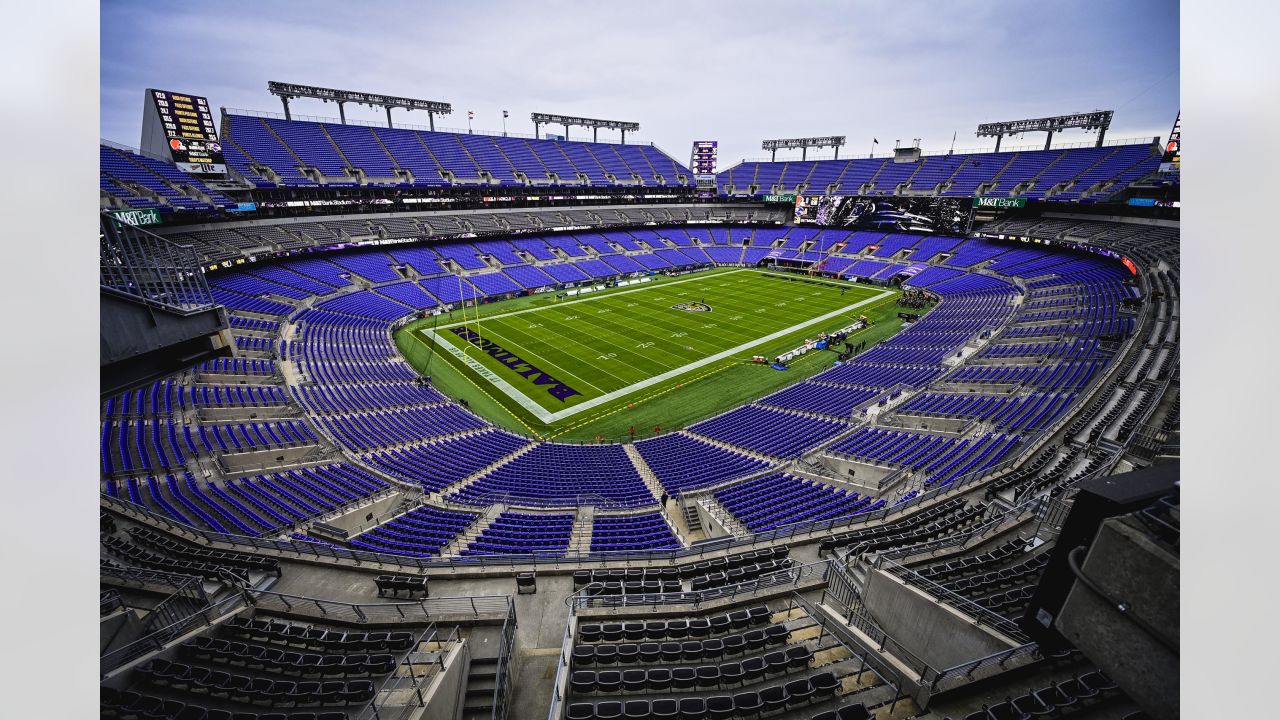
point(1098, 499)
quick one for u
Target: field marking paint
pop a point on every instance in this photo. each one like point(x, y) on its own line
point(521, 346)
point(597, 297)
point(636, 401)
point(712, 341)
point(481, 388)
point(709, 341)
point(550, 417)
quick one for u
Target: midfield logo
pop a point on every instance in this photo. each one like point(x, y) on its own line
point(692, 307)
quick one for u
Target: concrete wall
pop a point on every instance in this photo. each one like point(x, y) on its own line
point(354, 520)
point(937, 634)
point(932, 424)
point(447, 693)
point(711, 527)
point(229, 414)
point(865, 475)
point(253, 460)
point(1131, 568)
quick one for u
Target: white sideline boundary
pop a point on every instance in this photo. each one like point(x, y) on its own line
point(551, 417)
point(601, 296)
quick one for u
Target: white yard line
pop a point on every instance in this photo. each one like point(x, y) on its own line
point(550, 417)
point(595, 297)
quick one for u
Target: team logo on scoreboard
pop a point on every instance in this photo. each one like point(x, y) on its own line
point(692, 307)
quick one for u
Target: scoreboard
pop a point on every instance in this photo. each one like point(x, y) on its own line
point(180, 126)
point(703, 159)
point(1172, 159)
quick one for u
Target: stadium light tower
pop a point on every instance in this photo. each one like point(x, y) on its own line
point(831, 141)
point(568, 121)
point(1098, 120)
point(288, 91)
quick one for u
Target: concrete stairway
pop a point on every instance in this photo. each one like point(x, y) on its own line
point(646, 473)
point(670, 511)
point(482, 678)
point(735, 448)
point(580, 535)
point(473, 531)
point(722, 515)
point(449, 489)
point(270, 130)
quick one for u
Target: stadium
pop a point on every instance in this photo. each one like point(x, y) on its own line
point(401, 420)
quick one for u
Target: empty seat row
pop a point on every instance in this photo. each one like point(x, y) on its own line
point(908, 524)
point(582, 578)
point(738, 574)
point(242, 688)
point(974, 564)
point(1004, 577)
point(918, 530)
point(1058, 698)
point(1010, 600)
point(154, 561)
point(288, 662)
point(677, 629)
point(645, 587)
point(686, 651)
point(130, 704)
point(410, 584)
point(177, 548)
point(731, 562)
point(690, 679)
point(857, 711)
point(794, 694)
point(320, 640)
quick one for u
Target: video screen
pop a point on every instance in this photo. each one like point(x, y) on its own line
point(889, 214)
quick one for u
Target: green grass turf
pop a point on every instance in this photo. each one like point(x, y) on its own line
point(609, 341)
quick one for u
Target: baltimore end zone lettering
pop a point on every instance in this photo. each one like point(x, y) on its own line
point(558, 390)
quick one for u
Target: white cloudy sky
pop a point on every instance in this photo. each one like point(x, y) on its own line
point(736, 72)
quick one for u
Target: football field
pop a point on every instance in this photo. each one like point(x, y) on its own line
point(557, 360)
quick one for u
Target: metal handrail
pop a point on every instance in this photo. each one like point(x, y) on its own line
point(562, 665)
point(937, 681)
point(136, 264)
point(424, 611)
point(887, 674)
point(404, 126)
point(408, 670)
point(159, 637)
point(1109, 142)
point(981, 615)
point(792, 575)
point(506, 650)
point(843, 589)
point(109, 600)
point(187, 600)
point(931, 679)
